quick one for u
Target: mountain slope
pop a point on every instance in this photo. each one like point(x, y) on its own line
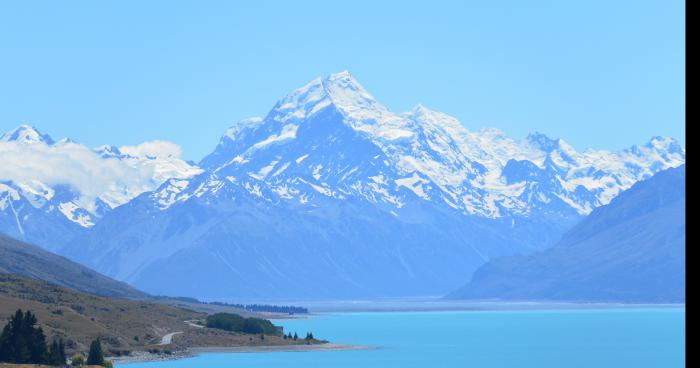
point(632, 250)
point(78, 318)
point(29, 261)
point(333, 195)
point(50, 191)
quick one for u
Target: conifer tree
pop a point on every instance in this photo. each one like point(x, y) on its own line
point(57, 353)
point(21, 341)
point(62, 350)
point(95, 356)
point(53, 353)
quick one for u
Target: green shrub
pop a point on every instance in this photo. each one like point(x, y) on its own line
point(235, 323)
point(78, 360)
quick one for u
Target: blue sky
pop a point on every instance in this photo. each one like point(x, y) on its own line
point(600, 74)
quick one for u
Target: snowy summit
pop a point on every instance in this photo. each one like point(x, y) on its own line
point(433, 199)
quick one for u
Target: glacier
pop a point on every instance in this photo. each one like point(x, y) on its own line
point(332, 195)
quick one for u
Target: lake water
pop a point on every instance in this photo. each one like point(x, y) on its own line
point(539, 339)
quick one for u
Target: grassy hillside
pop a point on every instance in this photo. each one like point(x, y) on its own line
point(29, 261)
point(122, 325)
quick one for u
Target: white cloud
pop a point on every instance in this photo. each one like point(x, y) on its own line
point(79, 167)
point(153, 149)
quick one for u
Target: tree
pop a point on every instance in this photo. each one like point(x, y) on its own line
point(54, 355)
point(5, 345)
point(78, 360)
point(295, 336)
point(62, 350)
point(57, 353)
point(21, 341)
point(95, 356)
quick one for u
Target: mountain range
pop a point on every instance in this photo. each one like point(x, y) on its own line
point(329, 195)
point(52, 190)
point(631, 250)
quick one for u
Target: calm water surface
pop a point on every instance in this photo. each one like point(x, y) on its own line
point(539, 339)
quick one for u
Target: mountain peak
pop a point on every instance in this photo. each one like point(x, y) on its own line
point(66, 140)
point(665, 144)
point(543, 142)
point(424, 115)
point(107, 151)
point(419, 110)
point(26, 134)
point(341, 90)
point(346, 91)
point(342, 75)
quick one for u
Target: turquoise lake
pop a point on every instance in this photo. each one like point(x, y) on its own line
point(539, 339)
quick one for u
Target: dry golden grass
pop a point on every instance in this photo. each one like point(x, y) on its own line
point(122, 325)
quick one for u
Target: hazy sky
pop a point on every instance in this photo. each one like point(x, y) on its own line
point(601, 74)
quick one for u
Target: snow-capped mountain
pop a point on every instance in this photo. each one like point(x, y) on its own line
point(49, 190)
point(425, 152)
point(331, 194)
point(631, 250)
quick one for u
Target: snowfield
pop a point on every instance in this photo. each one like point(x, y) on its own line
point(333, 195)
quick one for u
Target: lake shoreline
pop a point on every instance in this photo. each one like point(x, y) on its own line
point(611, 338)
point(362, 306)
point(144, 357)
point(282, 348)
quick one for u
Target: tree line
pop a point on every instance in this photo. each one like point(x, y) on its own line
point(23, 342)
point(295, 337)
point(288, 309)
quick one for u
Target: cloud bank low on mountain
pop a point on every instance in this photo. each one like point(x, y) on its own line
point(155, 148)
point(332, 195)
point(69, 164)
point(50, 191)
point(80, 167)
